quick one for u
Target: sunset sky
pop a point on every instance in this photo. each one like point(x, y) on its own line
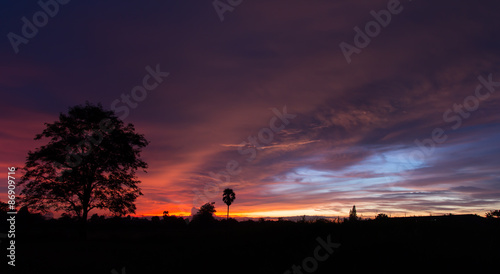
point(430, 76)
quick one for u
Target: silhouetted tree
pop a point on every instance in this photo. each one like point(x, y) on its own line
point(95, 218)
point(155, 219)
point(100, 156)
point(4, 206)
point(302, 219)
point(352, 214)
point(228, 197)
point(493, 214)
point(382, 216)
point(205, 214)
point(322, 221)
point(207, 209)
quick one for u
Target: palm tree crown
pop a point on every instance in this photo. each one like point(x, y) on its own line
point(228, 197)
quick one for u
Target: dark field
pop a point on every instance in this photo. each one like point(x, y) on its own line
point(398, 245)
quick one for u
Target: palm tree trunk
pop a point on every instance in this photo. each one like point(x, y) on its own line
point(227, 213)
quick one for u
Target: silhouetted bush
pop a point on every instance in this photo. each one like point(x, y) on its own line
point(382, 216)
point(204, 217)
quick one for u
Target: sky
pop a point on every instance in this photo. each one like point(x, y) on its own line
point(301, 107)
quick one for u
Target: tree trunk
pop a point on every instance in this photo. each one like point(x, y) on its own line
point(83, 225)
point(85, 206)
point(227, 213)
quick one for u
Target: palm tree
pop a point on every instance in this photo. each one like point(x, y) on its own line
point(228, 197)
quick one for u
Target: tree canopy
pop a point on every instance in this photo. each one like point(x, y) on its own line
point(493, 214)
point(207, 209)
point(204, 216)
point(90, 161)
